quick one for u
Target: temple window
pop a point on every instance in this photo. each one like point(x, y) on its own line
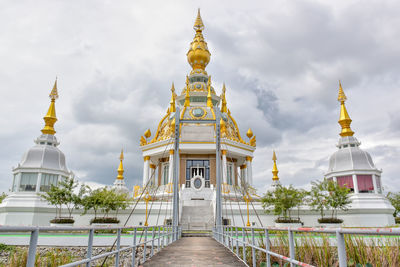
point(365, 184)
point(28, 182)
point(346, 181)
point(14, 184)
point(165, 173)
point(47, 180)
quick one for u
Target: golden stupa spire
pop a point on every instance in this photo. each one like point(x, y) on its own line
point(121, 167)
point(274, 168)
point(344, 119)
point(50, 118)
point(224, 109)
point(198, 55)
point(209, 99)
point(172, 102)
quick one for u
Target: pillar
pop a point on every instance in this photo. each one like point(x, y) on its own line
point(243, 173)
point(171, 166)
point(146, 166)
point(249, 170)
point(38, 182)
point(152, 174)
point(224, 168)
point(355, 184)
point(374, 182)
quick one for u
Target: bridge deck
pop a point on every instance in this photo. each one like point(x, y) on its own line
point(195, 252)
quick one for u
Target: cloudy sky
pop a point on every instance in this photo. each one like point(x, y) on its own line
point(280, 60)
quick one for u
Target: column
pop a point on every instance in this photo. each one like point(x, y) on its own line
point(355, 184)
point(224, 168)
point(243, 174)
point(335, 179)
point(39, 179)
point(249, 170)
point(374, 182)
point(152, 174)
point(146, 169)
point(171, 166)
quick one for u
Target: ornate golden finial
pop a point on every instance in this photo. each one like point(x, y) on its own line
point(187, 96)
point(249, 133)
point(274, 168)
point(121, 167)
point(172, 102)
point(344, 119)
point(224, 108)
point(147, 133)
point(209, 99)
point(198, 55)
point(223, 127)
point(50, 118)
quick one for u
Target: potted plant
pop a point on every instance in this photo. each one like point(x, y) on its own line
point(326, 196)
point(61, 196)
point(282, 200)
point(394, 199)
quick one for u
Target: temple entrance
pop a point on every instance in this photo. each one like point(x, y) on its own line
point(197, 174)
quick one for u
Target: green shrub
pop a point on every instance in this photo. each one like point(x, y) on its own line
point(330, 220)
point(62, 220)
point(104, 220)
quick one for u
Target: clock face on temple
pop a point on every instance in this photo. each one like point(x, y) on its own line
point(197, 113)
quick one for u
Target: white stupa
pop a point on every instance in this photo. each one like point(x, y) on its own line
point(119, 184)
point(41, 166)
point(352, 167)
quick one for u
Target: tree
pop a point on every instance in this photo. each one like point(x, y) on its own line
point(2, 197)
point(328, 195)
point(283, 200)
point(394, 199)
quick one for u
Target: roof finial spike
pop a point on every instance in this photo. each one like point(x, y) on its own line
point(50, 118)
point(274, 168)
point(344, 119)
point(209, 99)
point(224, 108)
point(121, 166)
point(198, 24)
point(172, 102)
point(187, 96)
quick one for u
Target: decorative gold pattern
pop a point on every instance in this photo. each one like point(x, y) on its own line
point(344, 119)
point(249, 133)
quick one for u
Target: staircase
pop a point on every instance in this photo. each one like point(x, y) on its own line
point(197, 215)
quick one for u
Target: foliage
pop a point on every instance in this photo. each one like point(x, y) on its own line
point(104, 220)
point(2, 197)
point(282, 199)
point(394, 199)
point(327, 194)
point(397, 220)
point(4, 247)
point(62, 220)
point(105, 200)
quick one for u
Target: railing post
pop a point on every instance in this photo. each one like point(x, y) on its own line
point(231, 237)
point(152, 242)
point(90, 247)
point(159, 239)
point(291, 247)
point(118, 247)
point(145, 244)
point(341, 246)
point(134, 247)
point(237, 242)
point(32, 248)
point(267, 248)
point(244, 246)
point(253, 250)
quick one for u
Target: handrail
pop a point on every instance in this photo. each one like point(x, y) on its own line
point(163, 234)
point(229, 238)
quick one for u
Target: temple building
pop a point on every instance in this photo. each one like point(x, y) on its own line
point(41, 166)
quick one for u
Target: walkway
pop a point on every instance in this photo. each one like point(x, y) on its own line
point(195, 252)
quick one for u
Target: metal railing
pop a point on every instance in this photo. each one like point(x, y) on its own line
point(229, 237)
point(162, 234)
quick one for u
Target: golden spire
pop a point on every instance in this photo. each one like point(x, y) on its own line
point(172, 103)
point(187, 96)
point(224, 109)
point(274, 168)
point(121, 167)
point(209, 99)
point(50, 118)
point(344, 119)
point(198, 55)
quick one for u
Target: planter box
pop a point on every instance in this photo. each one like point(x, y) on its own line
point(292, 225)
point(330, 225)
point(105, 225)
point(62, 224)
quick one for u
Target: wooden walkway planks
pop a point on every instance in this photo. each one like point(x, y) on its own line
point(195, 252)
